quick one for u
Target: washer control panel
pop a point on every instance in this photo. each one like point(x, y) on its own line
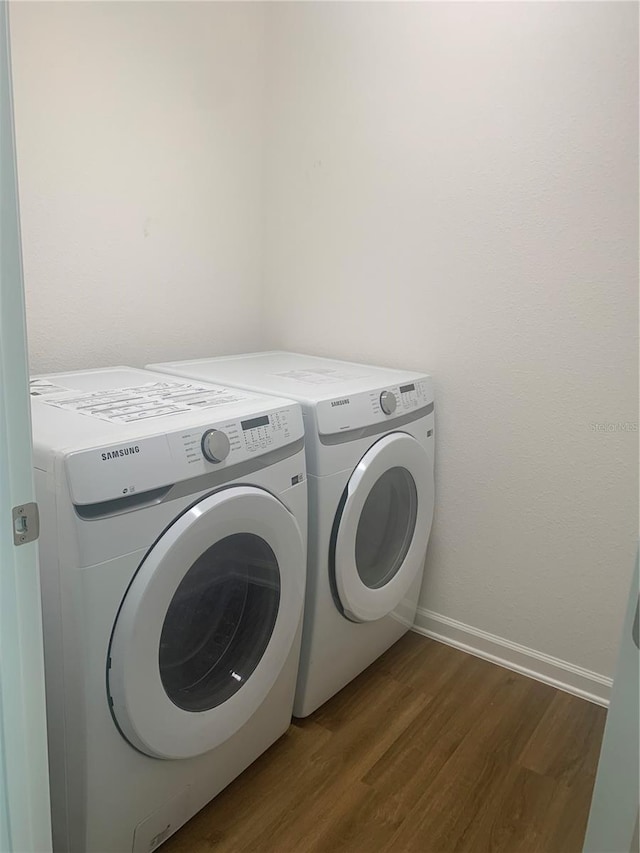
point(370, 407)
point(141, 464)
point(235, 440)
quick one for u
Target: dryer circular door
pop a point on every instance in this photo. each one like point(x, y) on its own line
point(207, 623)
point(381, 532)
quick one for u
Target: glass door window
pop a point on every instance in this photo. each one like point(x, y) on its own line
point(386, 527)
point(219, 622)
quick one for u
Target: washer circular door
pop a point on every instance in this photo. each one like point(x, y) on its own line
point(383, 528)
point(207, 623)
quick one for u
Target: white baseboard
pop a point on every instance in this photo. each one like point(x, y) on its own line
point(565, 676)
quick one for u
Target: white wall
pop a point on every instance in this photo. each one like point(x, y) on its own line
point(139, 132)
point(453, 187)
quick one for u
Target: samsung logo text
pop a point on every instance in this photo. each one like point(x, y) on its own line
point(122, 451)
point(340, 402)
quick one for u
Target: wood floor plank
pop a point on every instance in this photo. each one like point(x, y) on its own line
point(457, 796)
point(429, 751)
point(365, 693)
point(512, 815)
point(565, 738)
point(363, 822)
point(435, 736)
point(352, 750)
point(565, 822)
point(421, 663)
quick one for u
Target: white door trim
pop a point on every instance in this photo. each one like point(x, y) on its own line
point(25, 822)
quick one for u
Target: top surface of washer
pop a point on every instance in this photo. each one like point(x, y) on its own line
point(306, 378)
point(91, 407)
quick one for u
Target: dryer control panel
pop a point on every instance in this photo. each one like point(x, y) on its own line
point(142, 464)
point(371, 407)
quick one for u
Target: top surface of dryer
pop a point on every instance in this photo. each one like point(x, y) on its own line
point(306, 378)
point(341, 397)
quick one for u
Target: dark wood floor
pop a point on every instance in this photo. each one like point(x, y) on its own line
point(430, 750)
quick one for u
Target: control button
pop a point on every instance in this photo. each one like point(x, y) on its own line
point(215, 445)
point(388, 402)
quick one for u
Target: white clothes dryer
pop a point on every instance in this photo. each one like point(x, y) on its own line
point(173, 539)
point(370, 453)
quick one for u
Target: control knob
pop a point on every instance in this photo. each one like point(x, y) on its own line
point(215, 445)
point(388, 402)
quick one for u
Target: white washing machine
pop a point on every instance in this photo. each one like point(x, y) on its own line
point(173, 541)
point(370, 450)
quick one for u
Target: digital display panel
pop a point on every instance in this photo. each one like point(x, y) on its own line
point(405, 388)
point(255, 422)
